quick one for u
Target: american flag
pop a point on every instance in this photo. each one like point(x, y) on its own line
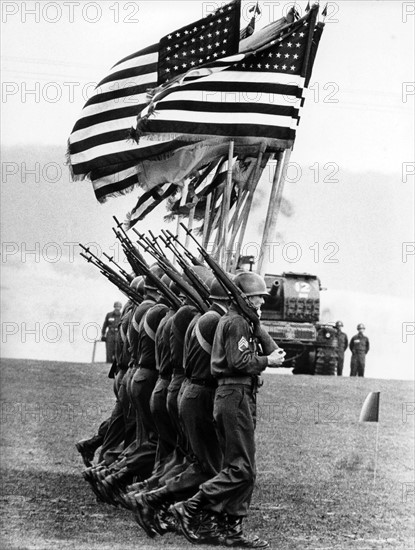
point(256, 95)
point(98, 147)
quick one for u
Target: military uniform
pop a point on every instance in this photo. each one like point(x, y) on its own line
point(359, 346)
point(236, 365)
point(109, 332)
point(342, 343)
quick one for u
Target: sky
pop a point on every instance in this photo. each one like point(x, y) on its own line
point(350, 182)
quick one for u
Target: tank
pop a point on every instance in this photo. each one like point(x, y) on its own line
point(291, 314)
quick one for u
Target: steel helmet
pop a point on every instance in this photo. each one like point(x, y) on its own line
point(138, 284)
point(217, 291)
point(118, 305)
point(339, 324)
point(158, 272)
point(251, 283)
point(361, 326)
point(166, 279)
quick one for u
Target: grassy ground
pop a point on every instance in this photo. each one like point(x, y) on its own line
point(318, 485)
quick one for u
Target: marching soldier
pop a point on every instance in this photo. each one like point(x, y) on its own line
point(196, 413)
point(342, 343)
point(359, 346)
point(236, 364)
point(109, 330)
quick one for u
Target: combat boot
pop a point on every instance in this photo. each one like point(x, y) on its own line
point(148, 505)
point(87, 448)
point(235, 537)
point(186, 513)
point(212, 528)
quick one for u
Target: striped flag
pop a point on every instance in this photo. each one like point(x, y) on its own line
point(257, 95)
point(98, 147)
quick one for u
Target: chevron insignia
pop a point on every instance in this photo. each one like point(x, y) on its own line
point(243, 344)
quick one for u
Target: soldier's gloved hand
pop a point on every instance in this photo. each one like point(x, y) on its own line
point(103, 339)
point(276, 358)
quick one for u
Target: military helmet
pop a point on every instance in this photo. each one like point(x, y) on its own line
point(118, 305)
point(361, 326)
point(251, 283)
point(217, 291)
point(138, 284)
point(166, 279)
point(158, 272)
point(339, 324)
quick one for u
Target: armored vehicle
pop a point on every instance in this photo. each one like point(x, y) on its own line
point(291, 314)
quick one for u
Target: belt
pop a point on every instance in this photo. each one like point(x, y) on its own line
point(203, 382)
point(244, 380)
point(147, 367)
point(165, 377)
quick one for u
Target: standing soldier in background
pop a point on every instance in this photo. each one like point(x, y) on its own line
point(110, 329)
point(359, 346)
point(342, 343)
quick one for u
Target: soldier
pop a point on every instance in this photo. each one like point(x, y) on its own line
point(196, 413)
point(359, 346)
point(110, 329)
point(236, 364)
point(342, 343)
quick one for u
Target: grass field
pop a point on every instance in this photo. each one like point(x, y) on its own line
point(316, 488)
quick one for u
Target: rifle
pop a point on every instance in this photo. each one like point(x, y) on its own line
point(193, 277)
point(141, 267)
point(172, 272)
point(242, 302)
point(112, 276)
point(120, 269)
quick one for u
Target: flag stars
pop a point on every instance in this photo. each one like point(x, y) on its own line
point(177, 34)
point(295, 56)
point(301, 34)
point(259, 66)
point(267, 65)
point(284, 67)
point(287, 55)
point(184, 65)
point(276, 66)
point(278, 54)
point(192, 51)
point(298, 45)
point(292, 67)
point(289, 44)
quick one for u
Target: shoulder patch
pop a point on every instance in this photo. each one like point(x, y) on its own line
point(243, 344)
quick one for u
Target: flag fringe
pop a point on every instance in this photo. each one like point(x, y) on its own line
point(118, 193)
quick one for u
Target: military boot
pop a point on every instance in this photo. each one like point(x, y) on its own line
point(186, 514)
point(87, 448)
point(235, 537)
point(147, 508)
point(212, 528)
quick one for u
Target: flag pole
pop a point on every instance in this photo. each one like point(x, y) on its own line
point(206, 232)
point(223, 228)
point(243, 219)
point(274, 203)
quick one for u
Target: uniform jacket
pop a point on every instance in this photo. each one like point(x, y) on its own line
point(342, 341)
point(199, 347)
point(180, 322)
point(234, 350)
point(146, 348)
point(359, 344)
point(111, 321)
